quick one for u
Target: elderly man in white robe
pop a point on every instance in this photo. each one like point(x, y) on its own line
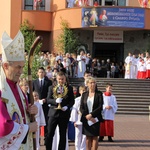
point(16, 129)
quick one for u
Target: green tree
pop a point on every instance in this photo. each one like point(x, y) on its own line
point(29, 37)
point(67, 41)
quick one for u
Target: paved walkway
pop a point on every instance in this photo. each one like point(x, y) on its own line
point(131, 133)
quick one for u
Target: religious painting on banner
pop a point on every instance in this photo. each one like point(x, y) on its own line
point(144, 3)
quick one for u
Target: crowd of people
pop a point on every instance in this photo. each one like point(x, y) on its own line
point(137, 67)
point(75, 65)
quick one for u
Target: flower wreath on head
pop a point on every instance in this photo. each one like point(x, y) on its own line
point(61, 95)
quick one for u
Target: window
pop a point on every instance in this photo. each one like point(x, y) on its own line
point(31, 5)
point(28, 5)
point(114, 2)
point(122, 2)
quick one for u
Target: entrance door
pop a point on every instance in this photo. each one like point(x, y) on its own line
point(113, 51)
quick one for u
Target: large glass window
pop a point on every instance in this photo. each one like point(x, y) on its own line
point(34, 4)
point(28, 4)
point(121, 2)
point(114, 2)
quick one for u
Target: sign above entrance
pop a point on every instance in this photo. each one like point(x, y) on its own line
point(113, 17)
point(108, 36)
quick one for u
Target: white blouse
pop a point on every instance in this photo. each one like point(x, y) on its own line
point(90, 101)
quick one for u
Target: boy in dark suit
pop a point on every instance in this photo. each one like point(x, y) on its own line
point(61, 94)
point(41, 86)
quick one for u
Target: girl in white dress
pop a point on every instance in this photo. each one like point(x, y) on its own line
point(39, 117)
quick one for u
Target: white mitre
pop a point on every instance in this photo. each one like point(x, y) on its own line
point(12, 49)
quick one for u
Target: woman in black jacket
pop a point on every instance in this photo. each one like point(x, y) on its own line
point(91, 108)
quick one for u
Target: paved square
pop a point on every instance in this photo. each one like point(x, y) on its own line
point(132, 132)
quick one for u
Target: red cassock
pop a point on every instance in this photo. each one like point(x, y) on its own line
point(147, 73)
point(107, 128)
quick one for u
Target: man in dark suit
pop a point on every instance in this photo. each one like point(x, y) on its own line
point(61, 94)
point(41, 86)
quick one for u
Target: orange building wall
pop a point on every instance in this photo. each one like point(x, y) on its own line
point(134, 3)
point(16, 9)
point(58, 4)
point(41, 20)
point(5, 23)
point(53, 37)
point(147, 22)
point(10, 17)
point(5, 16)
point(73, 16)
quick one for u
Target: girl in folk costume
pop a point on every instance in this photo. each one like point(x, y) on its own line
point(141, 69)
point(81, 64)
point(16, 129)
point(148, 68)
point(109, 110)
point(80, 139)
point(39, 117)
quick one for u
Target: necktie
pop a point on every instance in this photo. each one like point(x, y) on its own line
point(41, 85)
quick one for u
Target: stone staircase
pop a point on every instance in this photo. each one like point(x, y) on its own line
point(133, 96)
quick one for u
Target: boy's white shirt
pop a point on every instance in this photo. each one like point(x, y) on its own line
point(109, 101)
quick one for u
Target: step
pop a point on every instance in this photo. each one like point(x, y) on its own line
point(132, 96)
point(128, 103)
point(123, 92)
point(118, 93)
point(132, 113)
point(133, 109)
point(133, 103)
